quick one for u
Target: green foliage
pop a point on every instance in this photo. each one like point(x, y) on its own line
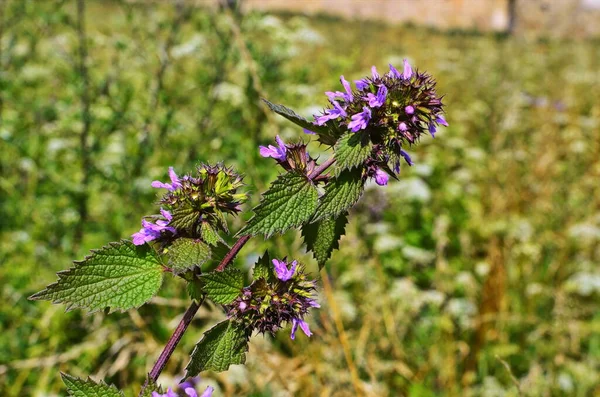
point(186, 253)
point(263, 267)
point(184, 218)
point(322, 237)
point(151, 387)
point(223, 287)
point(341, 193)
point(209, 234)
point(88, 388)
point(351, 151)
point(119, 276)
point(221, 346)
point(290, 201)
point(295, 118)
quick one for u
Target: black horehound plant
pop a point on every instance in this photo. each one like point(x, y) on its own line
point(367, 128)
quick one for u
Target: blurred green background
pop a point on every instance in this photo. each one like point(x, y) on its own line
point(474, 275)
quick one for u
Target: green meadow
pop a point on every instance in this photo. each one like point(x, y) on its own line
point(476, 274)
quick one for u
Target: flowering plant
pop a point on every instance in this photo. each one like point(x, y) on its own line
point(368, 129)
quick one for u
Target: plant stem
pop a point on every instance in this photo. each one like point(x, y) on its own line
point(160, 363)
point(191, 311)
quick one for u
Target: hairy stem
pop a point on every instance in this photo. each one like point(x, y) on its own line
point(161, 362)
point(191, 311)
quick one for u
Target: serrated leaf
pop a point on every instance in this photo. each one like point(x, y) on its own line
point(295, 118)
point(184, 218)
point(351, 151)
point(209, 234)
point(263, 267)
point(290, 201)
point(152, 386)
point(223, 287)
point(340, 194)
point(119, 276)
point(221, 346)
point(187, 253)
point(323, 237)
point(88, 388)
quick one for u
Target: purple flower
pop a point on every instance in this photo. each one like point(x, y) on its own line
point(331, 114)
point(381, 177)
point(361, 84)
point(174, 185)
point(441, 120)
point(307, 131)
point(406, 157)
point(408, 72)
point(376, 101)
point(432, 129)
point(303, 325)
point(278, 153)
point(409, 109)
point(281, 268)
point(402, 127)
point(346, 85)
point(374, 72)
point(151, 231)
point(394, 72)
point(360, 120)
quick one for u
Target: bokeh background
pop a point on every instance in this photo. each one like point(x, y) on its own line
point(474, 275)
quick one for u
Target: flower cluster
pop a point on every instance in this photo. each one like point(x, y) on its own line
point(284, 297)
point(194, 204)
point(289, 156)
point(188, 390)
point(394, 109)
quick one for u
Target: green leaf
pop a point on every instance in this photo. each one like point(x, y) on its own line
point(209, 234)
point(341, 193)
point(221, 346)
point(223, 287)
point(295, 118)
point(351, 151)
point(323, 237)
point(184, 218)
point(88, 388)
point(187, 253)
point(290, 201)
point(151, 387)
point(119, 276)
point(263, 267)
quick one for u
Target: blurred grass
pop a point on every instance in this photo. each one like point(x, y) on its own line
point(475, 275)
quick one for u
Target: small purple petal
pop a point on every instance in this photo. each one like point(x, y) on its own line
point(409, 109)
point(307, 131)
point(283, 273)
point(348, 89)
point(406, 157)
point(278, 153)
point(374, 73)
point(361, 84)
point(432, 129)
point(294, 328)
point(174, 185)
point(304, 327)
point(381, 177)
point(402, 127)
point(191, 392)
point(442, 121)
point(408, 72)
point(360, 120)
point(243, 306)
point(376, 101)
point(394, 72)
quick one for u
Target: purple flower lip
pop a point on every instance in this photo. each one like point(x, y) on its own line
point(152, 231)
point(282, 271)
point(174, 185)
point(303, 326)
point(441, 121)
point(331, 114)
point(278, 153)
point(361, 84)
point(381, 177)
point(378, 100)
point(394, 72)
point(408, 72)
point(360, 120)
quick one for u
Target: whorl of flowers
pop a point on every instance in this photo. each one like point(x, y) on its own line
point(194, 203)
point(286, 296)
point(394, 109)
